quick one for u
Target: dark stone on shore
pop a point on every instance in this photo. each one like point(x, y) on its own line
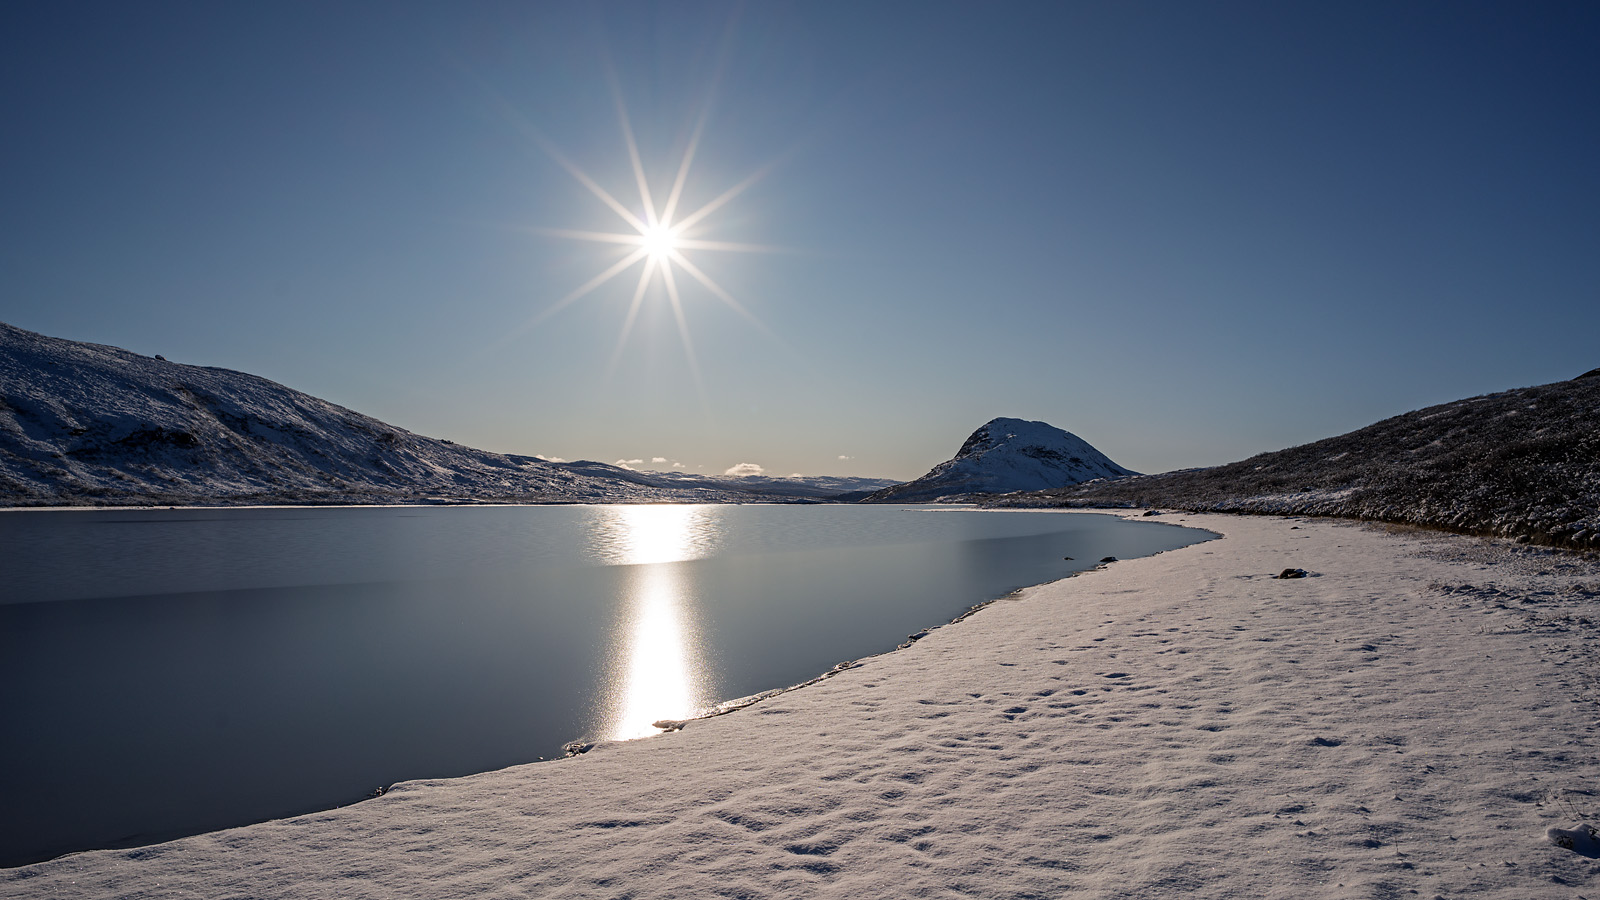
point(1106, 559)
point(1291, 573)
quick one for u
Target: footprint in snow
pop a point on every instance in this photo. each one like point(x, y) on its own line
point(1583, 839)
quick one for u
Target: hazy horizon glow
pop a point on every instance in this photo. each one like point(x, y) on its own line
point(1185, 233)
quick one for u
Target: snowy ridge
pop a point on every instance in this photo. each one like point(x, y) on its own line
point(90, 424)
point(1523, 463)
point(1007, 455)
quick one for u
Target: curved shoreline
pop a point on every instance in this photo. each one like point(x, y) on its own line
point(1412, 718)
point(578, 747)
point(823, 606)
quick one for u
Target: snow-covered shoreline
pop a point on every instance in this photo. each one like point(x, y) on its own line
point(1406, 722)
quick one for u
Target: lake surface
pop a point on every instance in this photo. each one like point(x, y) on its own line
point(170, 672)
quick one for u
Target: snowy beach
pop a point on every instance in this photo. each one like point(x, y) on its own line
point(1405, 721)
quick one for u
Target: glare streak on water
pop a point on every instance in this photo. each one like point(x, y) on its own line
point(169, 672)
point(656, 670)
point(645, 534)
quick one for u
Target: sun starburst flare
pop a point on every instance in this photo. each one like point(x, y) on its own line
point(659, 239)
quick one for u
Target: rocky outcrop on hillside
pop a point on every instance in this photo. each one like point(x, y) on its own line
point(1006, 455)
point(1522, 463)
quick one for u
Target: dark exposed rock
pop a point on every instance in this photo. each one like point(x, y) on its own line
point(1291, 573)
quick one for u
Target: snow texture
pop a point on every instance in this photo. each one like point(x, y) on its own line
point(88, 424)
point(1523, 463)
point(1407, 721)
point(1007, 455)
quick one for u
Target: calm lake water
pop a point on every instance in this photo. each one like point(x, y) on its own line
point(170, 672)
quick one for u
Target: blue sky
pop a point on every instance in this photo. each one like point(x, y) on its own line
point(1186, 232)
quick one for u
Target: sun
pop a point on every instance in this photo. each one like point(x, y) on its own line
point(660, 239)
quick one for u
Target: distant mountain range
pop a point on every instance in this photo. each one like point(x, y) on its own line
point(1523, 463)
point(87, 424)
point(1006, 455)
point(817, 487)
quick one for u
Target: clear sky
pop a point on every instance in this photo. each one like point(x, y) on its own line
point(1187, 232)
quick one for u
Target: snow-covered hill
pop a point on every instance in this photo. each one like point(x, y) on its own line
point(1008, 455)
point(1523, 463)
point(90, 424)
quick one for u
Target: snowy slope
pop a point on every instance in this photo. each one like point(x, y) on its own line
point(90, 424)
point(1523, 463)
point(1008, 455)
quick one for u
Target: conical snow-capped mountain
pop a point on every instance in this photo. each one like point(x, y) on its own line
point(1008, 455)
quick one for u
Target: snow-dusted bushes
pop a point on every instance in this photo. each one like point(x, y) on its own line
point(1523, 463)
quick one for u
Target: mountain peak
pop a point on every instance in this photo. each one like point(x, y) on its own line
point(1001, 431)
point(1005, 455)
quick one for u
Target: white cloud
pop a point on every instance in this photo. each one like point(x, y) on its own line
point(743, 469)
point(842, 456)
point(678, 465)
point(658, 459)
point(548, 458)
point(796, 475)
point(627, 463)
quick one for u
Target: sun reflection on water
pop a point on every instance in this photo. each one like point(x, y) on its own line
point(656, 671)
point(644, 534)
